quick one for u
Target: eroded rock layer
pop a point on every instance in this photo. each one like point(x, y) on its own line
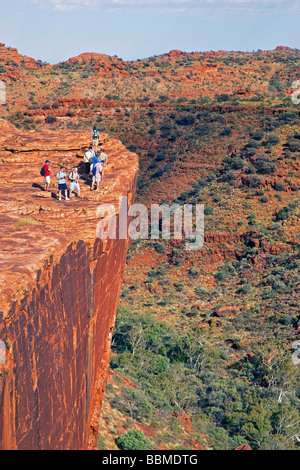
point(59, 287)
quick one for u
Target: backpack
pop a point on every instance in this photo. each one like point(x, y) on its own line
point(95, 134)
point(43, 171)
point(94, 169)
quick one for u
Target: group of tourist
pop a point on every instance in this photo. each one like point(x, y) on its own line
point(94, 166)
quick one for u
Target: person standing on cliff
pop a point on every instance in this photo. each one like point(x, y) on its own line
point(62, 185)
point(89, 154)
point(103, 160)
point(46, 174)
point(95, 138)
point(74, 181)
point(97, 175)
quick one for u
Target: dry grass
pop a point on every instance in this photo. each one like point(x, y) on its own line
point(26, 221)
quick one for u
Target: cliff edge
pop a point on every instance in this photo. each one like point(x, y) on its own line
point(59, 288)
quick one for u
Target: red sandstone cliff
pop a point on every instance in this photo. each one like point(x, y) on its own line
point(59, 287)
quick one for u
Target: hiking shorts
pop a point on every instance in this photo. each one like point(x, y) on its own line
point(62, 186)
point(47, 179)
point(95, 141)
point(96, 178)
point(74, 185)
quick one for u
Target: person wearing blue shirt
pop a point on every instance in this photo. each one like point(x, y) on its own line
point(62, 185)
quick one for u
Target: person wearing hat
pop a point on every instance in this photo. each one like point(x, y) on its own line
point(89, 154)
point(62, 185)
point(47, 175)
point(74, 181)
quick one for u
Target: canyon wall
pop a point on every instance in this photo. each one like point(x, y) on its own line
point(58, 303)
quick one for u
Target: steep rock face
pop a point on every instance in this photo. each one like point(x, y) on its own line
point(59, 288)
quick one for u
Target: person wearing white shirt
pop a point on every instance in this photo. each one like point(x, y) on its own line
point(74, 181)
point(62, 185)
point(103, 159)
point(87, 159)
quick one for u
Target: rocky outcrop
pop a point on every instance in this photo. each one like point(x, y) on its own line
point(243, 447)
point(59, 287)
point(10, 56)
point(104, 79)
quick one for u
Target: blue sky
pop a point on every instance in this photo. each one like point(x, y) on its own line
point(55, 30)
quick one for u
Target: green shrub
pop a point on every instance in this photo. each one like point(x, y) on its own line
point(133, 402)
point(193, 271)
point(133, 440)
point(294, 145)
point(158, 174)
point(229, 176)
point(264, 165)
point(179, 286)
point(253, 143)
point(164, 301)
point(279, 185)
point(153, 165)
point(202, 131)
point(50, 119)
point(186, 120)
point(283, 213)
point(201, 291)
point(222, 97)
point(252, 181)
point(226, 131)
point(257, 135)
point(272, 139)
point(208, 210)
point(236, 163)
point(250, 151)
point(220, 275)
point(160, 247)
point(288, 116)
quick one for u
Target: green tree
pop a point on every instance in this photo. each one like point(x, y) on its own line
point(133, 402)
point(258, 426)
point(134, 440)
point(285, 420)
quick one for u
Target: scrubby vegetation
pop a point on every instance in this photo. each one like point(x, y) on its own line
point(202, 348)
point(231, 372)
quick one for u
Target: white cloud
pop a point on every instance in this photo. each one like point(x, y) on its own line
point(67, 5)
point(174, 5)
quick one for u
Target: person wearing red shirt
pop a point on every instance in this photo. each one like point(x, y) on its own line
point(47, 175)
